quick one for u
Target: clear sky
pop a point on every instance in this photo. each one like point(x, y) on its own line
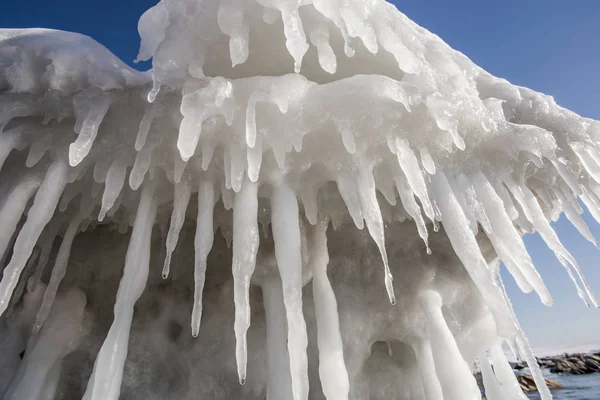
point(548, 45)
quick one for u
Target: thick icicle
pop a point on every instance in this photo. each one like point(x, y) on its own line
point(13, 208)
point(431, 384)
point(58, 273)
point(464, 244)
point(505, 374)
point(452, 370)
point(40, 213)
point(105, 382)
point(245, 246)
point(183, 192)
point(493, 390)
point(332, 369)
point(203, 243)
point(286, 235)
point(145, 124)
point(279, 381)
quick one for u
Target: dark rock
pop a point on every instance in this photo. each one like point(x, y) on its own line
point(528, 384)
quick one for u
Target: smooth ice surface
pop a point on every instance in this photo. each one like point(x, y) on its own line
point(328, 189)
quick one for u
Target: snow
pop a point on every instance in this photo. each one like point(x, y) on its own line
point(312, 121)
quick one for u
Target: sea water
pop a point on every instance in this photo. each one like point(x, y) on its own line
point(575, 387)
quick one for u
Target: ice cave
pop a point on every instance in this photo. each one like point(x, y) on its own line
point(300, 200)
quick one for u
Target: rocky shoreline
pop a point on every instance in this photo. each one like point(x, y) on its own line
point(575, 364)
point(572, 364)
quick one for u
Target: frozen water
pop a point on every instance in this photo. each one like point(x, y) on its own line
point(389, 175)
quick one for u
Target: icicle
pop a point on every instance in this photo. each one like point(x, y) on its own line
point(589, 159)
point(140, 167)
point(90, 108)
point(409, 203)
point(255, 98)
point(512, 249)
point(466, 248)
point(525, 350)
point(591, 204)
point(208, 149)
point(294, 32)
point(279, 382)
point(332, 369)
point(183, 192)
point(230, 18)
point(105, 382)
point(36, 151)
point(410, 165)
point(178, 168)
point(505, 374)
point(348, 140)
point(113, 186)
point(13, 208)
point(145, 124)
point(39, 215)
point(493, 390)
point(427, 160)
point(535, 215)
point(374, 221)
point(58, 273)
point(574, 217)
point(9, 141)
point(286, 235)
point(203, 243)
point(349, 192)
point(245, 245)
point(429, 378)
point(254, 160)
point(453, 372)
point(319, 37)
point(39, 372)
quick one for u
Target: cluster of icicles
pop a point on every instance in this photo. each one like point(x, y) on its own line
point(426, 135)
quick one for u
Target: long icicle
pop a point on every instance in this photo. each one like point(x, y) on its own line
point(332, 368)
point(58, 273)
point(286, 235)
point(105, 382)
point(39, 215)
point(203, 243)
point(245, 246)
point(183, 192)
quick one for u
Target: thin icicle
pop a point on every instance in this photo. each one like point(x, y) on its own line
point(409, 203)
point(332, 369)
point(13, 208)
point(573, 216)
point(245, 246)
point(105, 382)
point(410, 166)
point(286, 235)
point(39, 215)
point(203, 243)
point(524, 349)
point(372, 215)
point(58, 273)
point(183, 192)
point(493, 390)
point(535, 215)
point(512, 249)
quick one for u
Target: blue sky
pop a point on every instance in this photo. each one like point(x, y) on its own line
point(548, 45)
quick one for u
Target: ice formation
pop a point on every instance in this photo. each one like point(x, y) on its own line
point(328, 189)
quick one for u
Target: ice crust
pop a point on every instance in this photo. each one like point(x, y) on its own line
point(298, 158)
